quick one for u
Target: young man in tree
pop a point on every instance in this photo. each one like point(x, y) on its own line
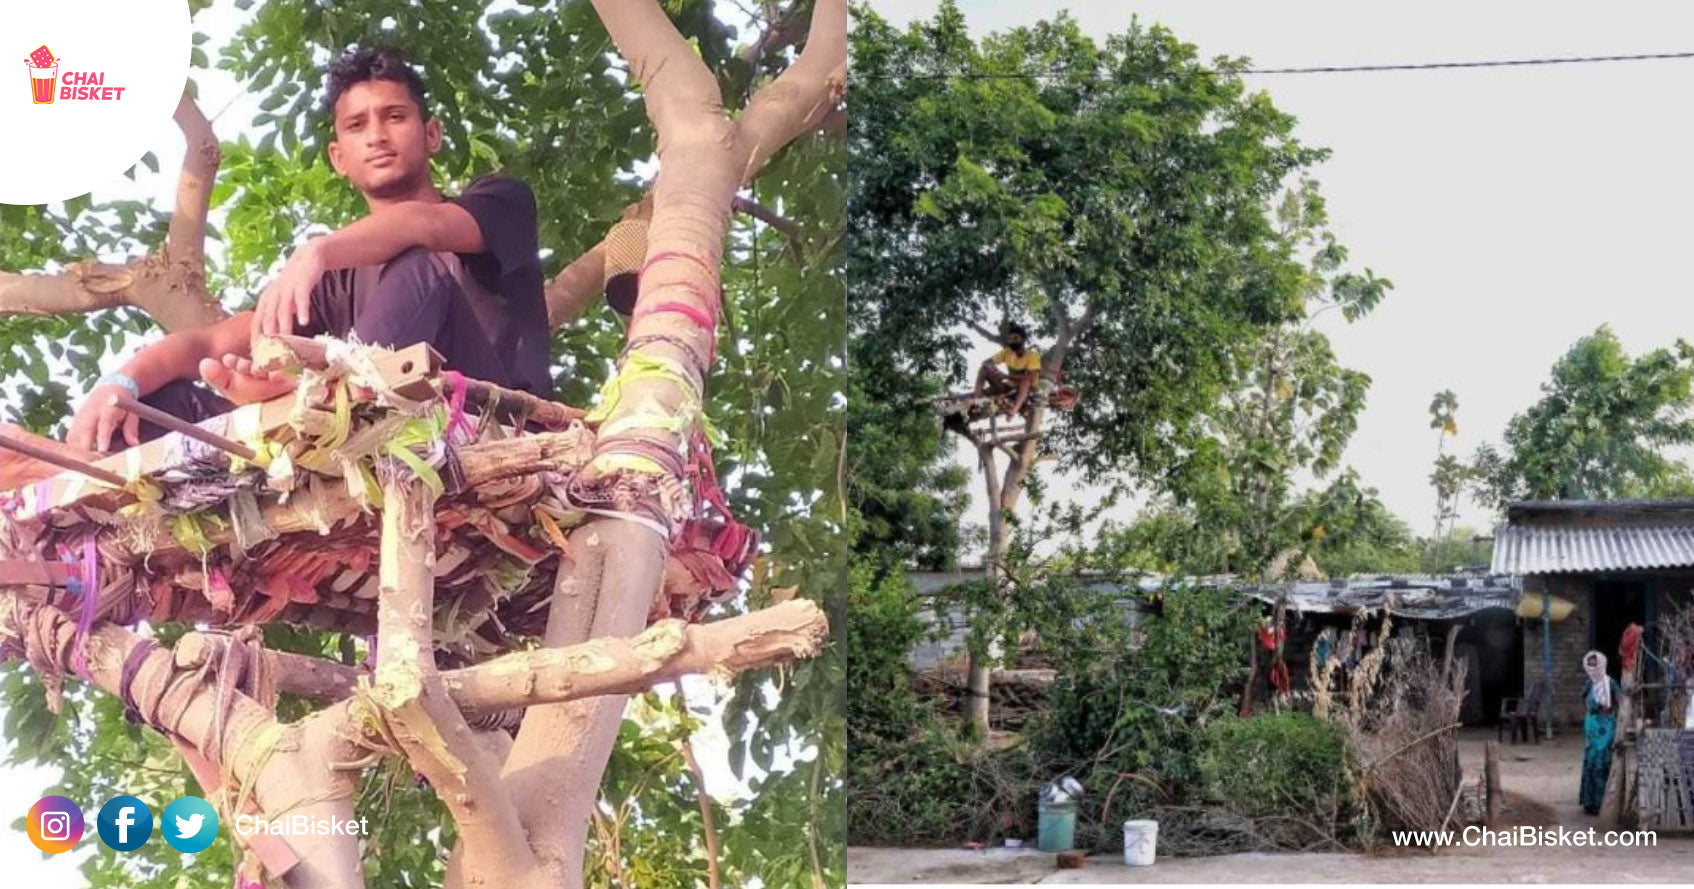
point(462, 274)
point(1023, 366)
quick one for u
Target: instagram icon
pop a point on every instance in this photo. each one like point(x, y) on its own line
point(54, 824)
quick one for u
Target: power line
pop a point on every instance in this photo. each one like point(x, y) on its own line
point(1502, 63)
point(1059, 71)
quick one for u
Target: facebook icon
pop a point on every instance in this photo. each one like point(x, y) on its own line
point(125, 823)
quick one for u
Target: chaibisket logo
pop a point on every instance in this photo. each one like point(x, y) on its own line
point(104, 78)
point(78, 85)
point(43, 72)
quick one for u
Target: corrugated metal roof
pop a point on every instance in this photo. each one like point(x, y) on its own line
point(1525, 549)
point(1427, 598)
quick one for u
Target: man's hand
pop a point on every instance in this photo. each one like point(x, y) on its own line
point(288, 301)
point(235, 378)
point(97, 419)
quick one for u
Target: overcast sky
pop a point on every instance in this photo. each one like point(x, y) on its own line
point(1515, 209)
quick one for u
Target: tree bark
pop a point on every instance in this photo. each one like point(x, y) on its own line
point(170, 286)
point(1004, 492)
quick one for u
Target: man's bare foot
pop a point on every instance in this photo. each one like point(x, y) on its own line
point(236, 380)
point(17, 470)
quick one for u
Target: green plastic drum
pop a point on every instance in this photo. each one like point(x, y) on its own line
point(1056, 827)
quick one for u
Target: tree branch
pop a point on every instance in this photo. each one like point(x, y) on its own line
point(665, 652)
point(713, 880)
point(170, 286)
point(779, 34)
point(410, 697)
point(983, 331)
point(676, 82)
point(277, 768)
point(577, 287)
point(186, 238)
point(803, 96)
point(789, 228)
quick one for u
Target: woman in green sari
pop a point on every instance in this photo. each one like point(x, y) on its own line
point(1599, 726)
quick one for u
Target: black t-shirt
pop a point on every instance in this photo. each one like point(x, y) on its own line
point(510, 268)
point(484, 312)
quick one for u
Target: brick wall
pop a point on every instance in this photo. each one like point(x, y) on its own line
point(1570, 643)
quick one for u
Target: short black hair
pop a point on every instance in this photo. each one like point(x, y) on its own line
point(1017, 329)
point(362, 63)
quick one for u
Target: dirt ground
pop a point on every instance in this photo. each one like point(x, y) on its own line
point(1543, 776)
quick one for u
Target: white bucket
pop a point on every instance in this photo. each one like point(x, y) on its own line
point(1140, 838)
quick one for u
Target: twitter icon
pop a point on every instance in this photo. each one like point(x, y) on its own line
point(190, 824)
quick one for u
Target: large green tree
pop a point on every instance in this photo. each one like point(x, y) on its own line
point(1601, 430)
point(572, 97)
point(1285, 421)
point(1117, 196)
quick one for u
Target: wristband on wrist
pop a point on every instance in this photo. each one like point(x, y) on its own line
point(124, 380)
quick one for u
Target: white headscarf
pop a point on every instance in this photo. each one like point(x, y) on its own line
point(1594, 664)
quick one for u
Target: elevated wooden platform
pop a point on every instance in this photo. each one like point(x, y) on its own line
point(272, 512)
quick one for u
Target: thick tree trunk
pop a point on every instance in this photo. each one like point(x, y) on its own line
point(979, 677)
point(1003, 494)
point(618, 565)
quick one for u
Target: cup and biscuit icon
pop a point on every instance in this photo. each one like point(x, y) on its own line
point(43, 74)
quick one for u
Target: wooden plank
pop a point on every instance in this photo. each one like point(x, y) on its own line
point(73, 489)
point(410, 372)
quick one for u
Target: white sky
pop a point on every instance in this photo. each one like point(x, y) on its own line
point(1515, 209)
point(232, 110)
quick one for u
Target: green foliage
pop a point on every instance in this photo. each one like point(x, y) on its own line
point(1451, 476)
point(1135, 188)
point(1288, 417)
point(1277, 763)
point(1600, 430)
point(1365, 539)
point(1134, 687)
point(1458, 548)
point(886, 625)
point(907, 496)
point(912, 781)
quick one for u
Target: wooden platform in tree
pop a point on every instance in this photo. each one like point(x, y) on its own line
point(196, 532)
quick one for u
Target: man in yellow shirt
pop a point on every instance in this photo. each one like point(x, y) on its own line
point(1023, 366)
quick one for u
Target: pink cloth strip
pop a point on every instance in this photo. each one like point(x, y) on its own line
point(694, 313)
point(90, 598)
point(456, 420)
point(663, 255)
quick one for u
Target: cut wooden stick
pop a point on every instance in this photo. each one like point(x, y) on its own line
point(280, 352)
point(510, 404)
point(177, 424)
point(63, 462)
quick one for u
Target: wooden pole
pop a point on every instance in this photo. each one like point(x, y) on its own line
point(178, 425)
point(46, 456)
point(278, 353)
point(1252, 676)
point(1447, 660)
point(1491, 780)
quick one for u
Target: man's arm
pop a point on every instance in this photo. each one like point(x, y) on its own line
point(176, 357)
point(443, 227)
point(379, 237)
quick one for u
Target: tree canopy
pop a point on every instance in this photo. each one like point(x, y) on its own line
point(1116, 196)
point(1601, 430)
